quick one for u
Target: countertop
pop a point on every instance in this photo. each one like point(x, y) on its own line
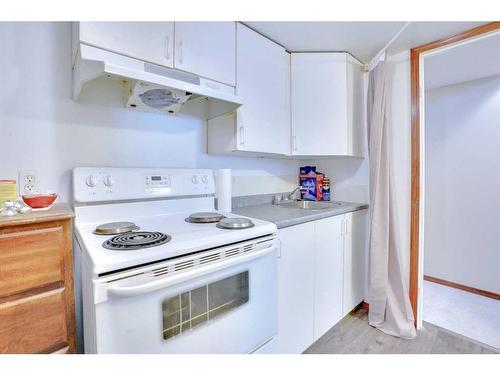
point(285, 217)
point(58, 211)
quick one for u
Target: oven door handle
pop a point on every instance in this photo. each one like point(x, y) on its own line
point(168, 281)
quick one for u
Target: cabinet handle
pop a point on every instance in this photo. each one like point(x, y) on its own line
point(294, 143)
point(342, 228)
point(242, 135)
point(167, 48)
point(179, 51)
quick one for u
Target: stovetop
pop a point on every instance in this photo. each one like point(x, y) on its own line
point(185, 237)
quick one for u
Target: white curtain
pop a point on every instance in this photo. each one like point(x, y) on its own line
point(390, 309)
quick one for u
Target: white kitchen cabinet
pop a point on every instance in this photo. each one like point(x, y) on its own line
point(355, 260)
point(321, 278)
point(262, 124)
point(148, 41)
point(326, 105)
point(328, 273)
point(295, 289)
point(207, 49)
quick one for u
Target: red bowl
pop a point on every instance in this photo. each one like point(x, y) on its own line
point(39, 201)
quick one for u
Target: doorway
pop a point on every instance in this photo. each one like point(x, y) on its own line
point(417, 236)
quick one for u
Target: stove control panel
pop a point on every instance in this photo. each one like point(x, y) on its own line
point(112, 184)
point(157, 180)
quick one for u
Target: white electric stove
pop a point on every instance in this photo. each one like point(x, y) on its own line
point(163, 284)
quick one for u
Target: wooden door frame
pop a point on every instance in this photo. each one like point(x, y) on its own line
point(415, 67)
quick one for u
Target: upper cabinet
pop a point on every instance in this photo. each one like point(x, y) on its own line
point(299, 104)
point(148, 41)
point(207, 49)
point(327, 105)
point(262, 123)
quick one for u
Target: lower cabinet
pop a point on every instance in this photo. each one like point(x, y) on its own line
point(355, 260)
point(322, 277)
point(36, 283)
point(328, 274)
point(295, 288)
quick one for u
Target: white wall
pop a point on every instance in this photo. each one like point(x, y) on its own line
point(43, 129)
point(462, 199)
point(349, 177)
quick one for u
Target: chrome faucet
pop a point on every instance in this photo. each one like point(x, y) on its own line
point(292, 194)
point(277, 199)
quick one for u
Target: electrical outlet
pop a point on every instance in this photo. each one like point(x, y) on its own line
point(27, 182)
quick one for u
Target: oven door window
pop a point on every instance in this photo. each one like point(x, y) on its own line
point(191, 308)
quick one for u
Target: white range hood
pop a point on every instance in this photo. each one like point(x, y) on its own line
point(151, 87)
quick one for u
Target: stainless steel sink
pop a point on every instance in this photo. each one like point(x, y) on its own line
point(310, 205)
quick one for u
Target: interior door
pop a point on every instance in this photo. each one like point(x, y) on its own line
point(263, 79)
point(148, 41)
point(328, 274)
point(207, 49)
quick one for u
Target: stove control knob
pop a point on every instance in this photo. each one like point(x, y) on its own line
point(205, 179)
point(91, 181)
point(194, 179)
point(109, 180)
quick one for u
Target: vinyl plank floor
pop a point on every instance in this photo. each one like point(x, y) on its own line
point(353, 335)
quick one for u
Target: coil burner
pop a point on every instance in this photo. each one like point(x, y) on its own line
point(136, 241)
point(205, 217)
point(235, 223)
point(116, 227)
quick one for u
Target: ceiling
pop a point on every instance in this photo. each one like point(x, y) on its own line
point(467, 62)
point(362, 39)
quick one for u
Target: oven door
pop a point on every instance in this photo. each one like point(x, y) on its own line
point(223, 301)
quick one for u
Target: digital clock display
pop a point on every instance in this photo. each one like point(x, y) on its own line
point(155, 178)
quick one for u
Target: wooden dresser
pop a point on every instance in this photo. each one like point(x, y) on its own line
point(37, 313)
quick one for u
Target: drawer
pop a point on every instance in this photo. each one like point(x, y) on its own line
point(34, 324)
point(31, 256)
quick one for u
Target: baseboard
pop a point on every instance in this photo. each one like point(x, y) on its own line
point(466, 288)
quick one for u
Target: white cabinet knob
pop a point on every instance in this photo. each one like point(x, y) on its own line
point(91, 181)
point(109, 180)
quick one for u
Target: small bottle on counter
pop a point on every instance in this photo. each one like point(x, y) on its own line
point(326, 189)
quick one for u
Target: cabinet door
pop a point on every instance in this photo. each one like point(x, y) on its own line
point(355, 108)
point(355, 260)
point(328, 274)
point(34, 324)
point(263, 79)
point(148, 41)
point(319, 104)
point(207, 49)
point(296, 285)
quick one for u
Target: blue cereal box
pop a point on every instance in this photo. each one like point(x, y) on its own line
point(311, 183)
